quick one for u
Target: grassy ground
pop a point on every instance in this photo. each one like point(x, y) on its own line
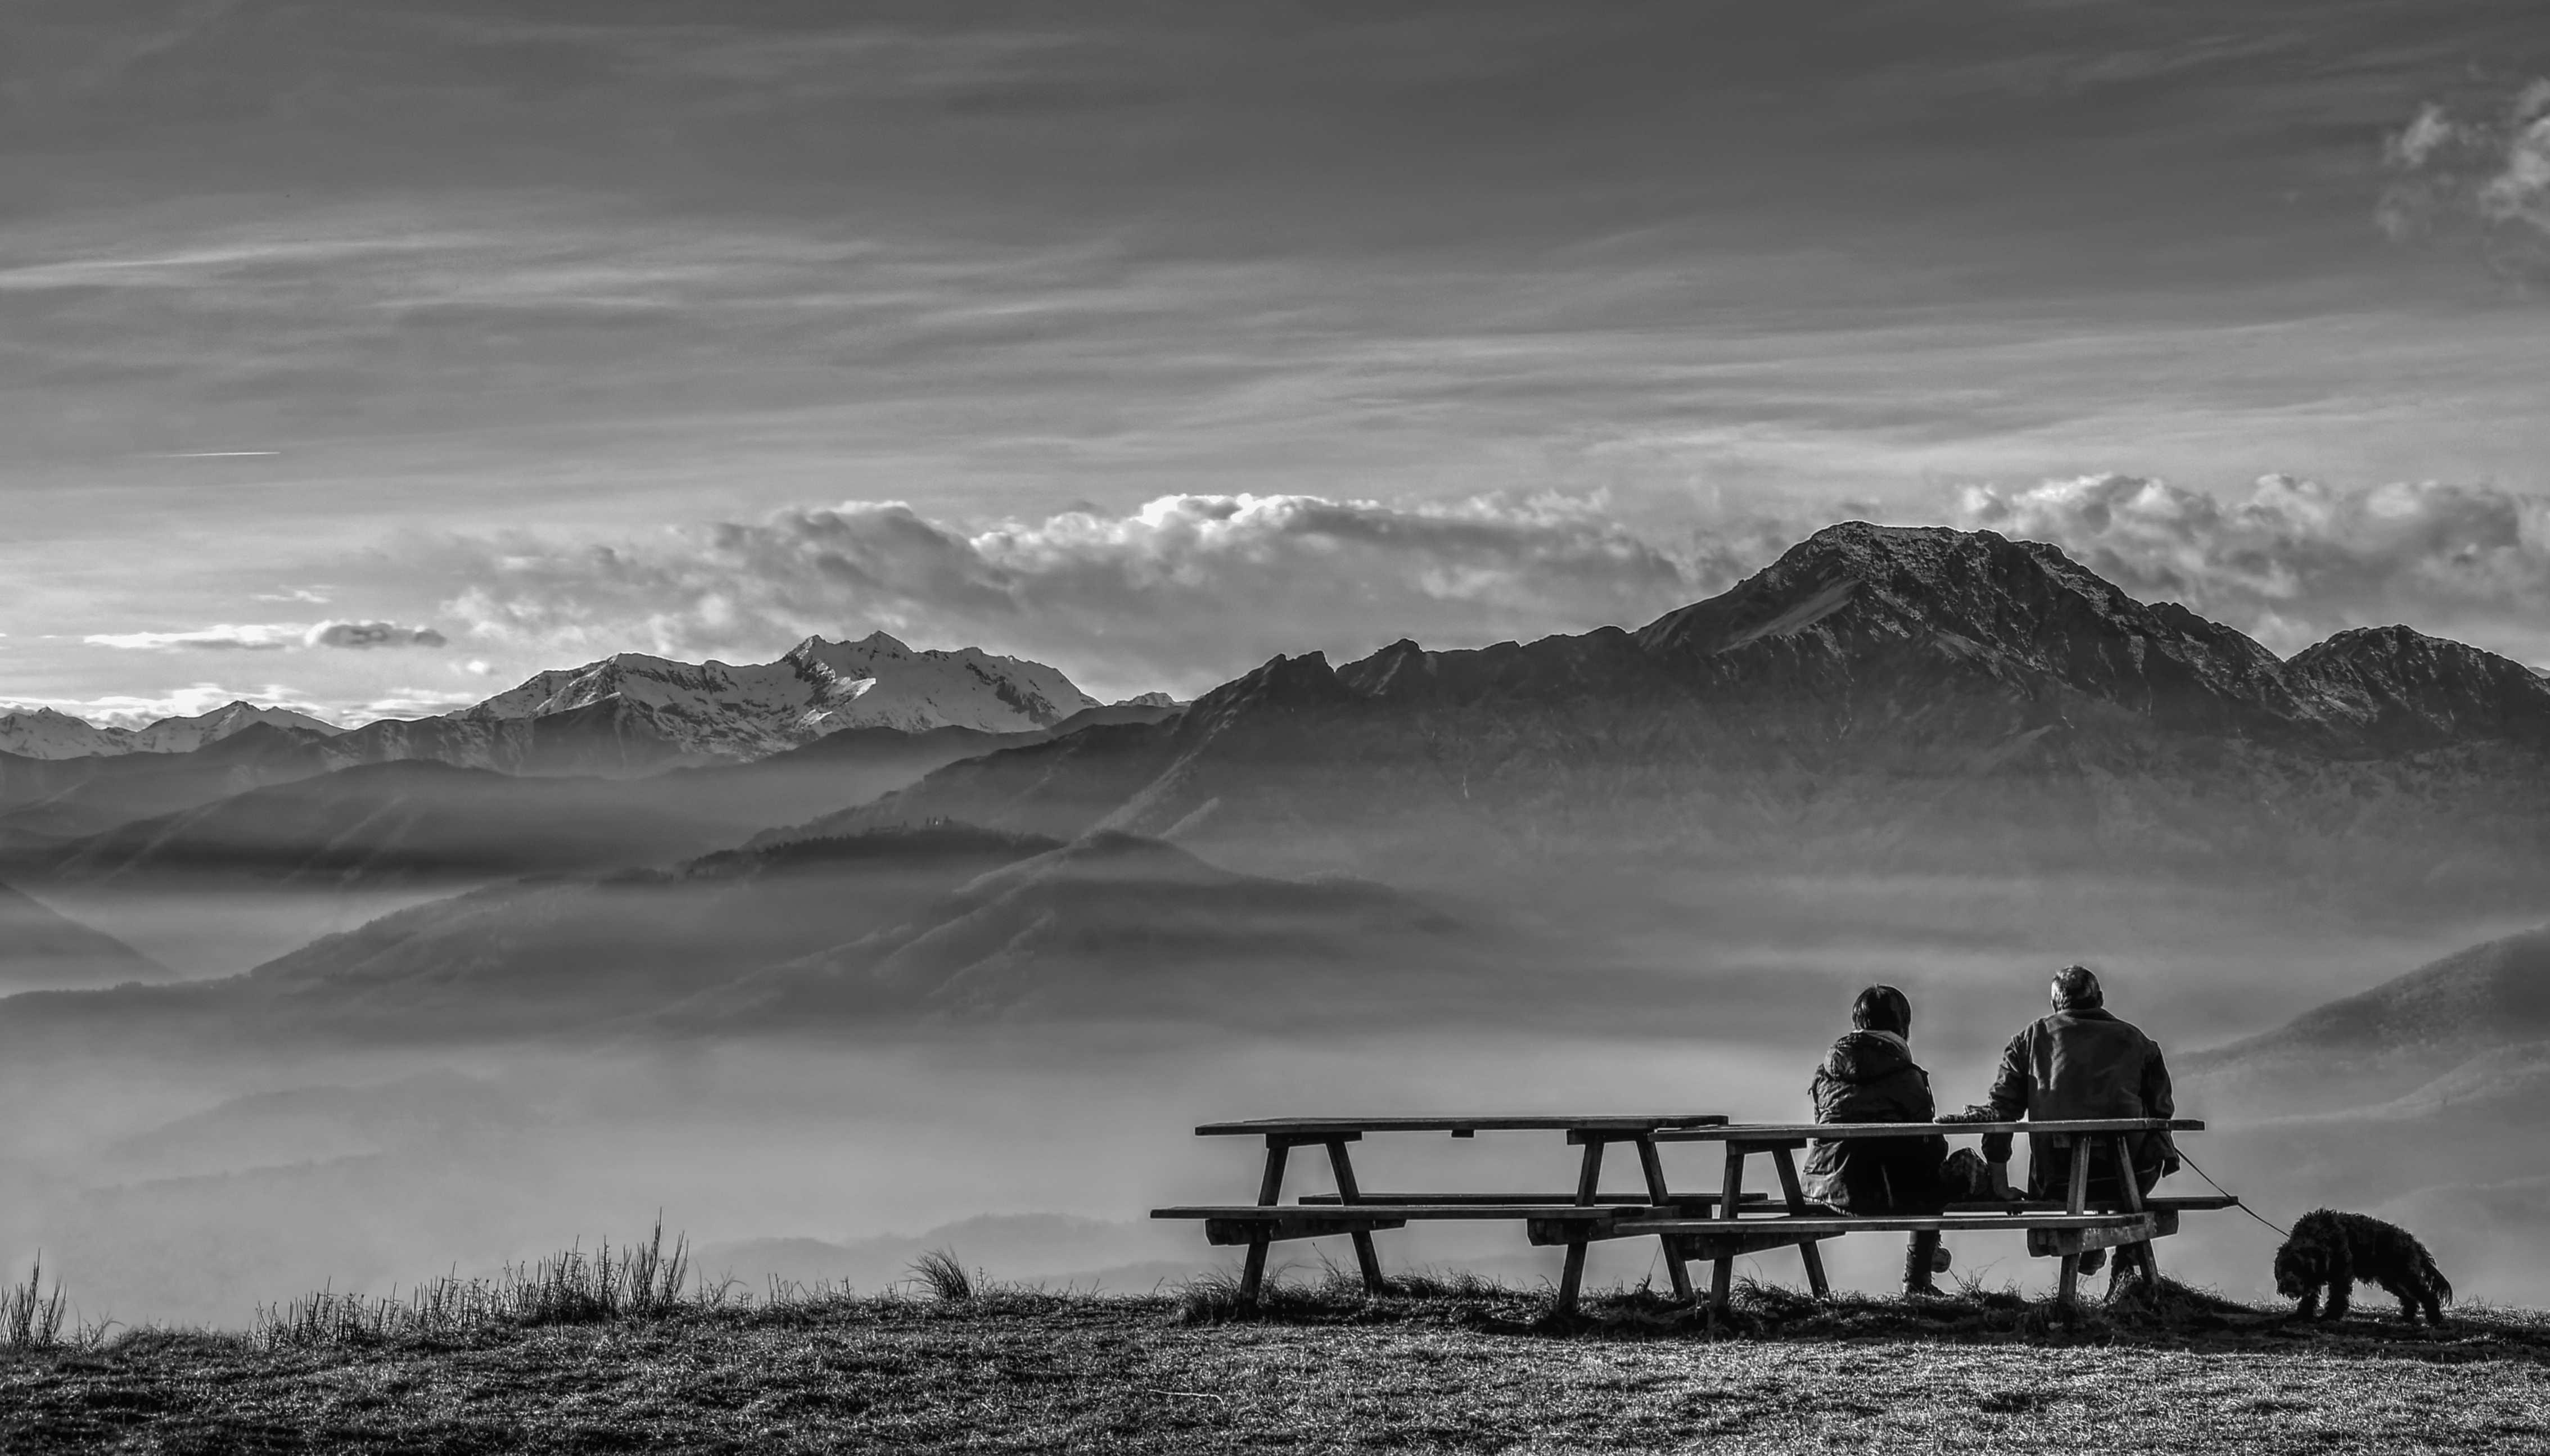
point(1453, 1366)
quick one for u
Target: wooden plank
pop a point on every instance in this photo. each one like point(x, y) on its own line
point(1652, 1169)
point(1589, 1178)
point(1270, 1185)
point(1562, 1212)
point(2058, 1242)
point(2069, 1284)
point(1774, 1131)
point(1367, 1258)
point(1834, 1226)
point(1797, 1197)
point(1322, 1128)
point(2203, 1204)
point(1722, 1270)
point(1534, 1199)
point(1256, 1231)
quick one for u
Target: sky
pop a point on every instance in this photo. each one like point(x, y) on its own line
point(370, 358)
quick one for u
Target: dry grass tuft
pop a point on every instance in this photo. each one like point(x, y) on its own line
point(30, 1317)
point(644, 1281)
point(944, 1278)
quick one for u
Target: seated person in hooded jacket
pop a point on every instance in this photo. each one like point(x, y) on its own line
point(2081, 1062)
point(1869, 1076)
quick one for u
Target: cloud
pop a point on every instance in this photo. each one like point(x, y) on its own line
point(224, 637)
point(2297, 560)
point(1184, 590)
point(273, 637)
point(2487, 173)
point(412, 703)
point(372, 634)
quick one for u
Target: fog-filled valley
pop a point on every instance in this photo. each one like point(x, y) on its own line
point(294, 1008)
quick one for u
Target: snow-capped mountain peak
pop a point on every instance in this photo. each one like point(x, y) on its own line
point(44, 733)
point(718, 709)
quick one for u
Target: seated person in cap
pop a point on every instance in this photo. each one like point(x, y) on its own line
point(1869, 1076)
point(2080, 1062)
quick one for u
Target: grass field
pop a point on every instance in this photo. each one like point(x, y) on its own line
point(1453, 1366)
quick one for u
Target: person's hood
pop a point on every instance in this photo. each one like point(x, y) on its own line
point(1865, 1056)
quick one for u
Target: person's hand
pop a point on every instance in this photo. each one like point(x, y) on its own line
point(1970, 1115)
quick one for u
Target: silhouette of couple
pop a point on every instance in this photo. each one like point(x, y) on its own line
point(2081, 1061)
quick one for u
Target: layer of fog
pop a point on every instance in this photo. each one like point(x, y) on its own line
point(193, 1189)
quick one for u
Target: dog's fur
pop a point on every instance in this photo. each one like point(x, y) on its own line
point(2333, 1250)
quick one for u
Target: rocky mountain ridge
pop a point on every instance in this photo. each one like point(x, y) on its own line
point(712, 710)
point(1889, 695)
point(45, 733)
point(637, 714)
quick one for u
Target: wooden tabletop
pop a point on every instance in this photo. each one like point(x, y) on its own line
point(1790, 1132)
point(1295, 1127)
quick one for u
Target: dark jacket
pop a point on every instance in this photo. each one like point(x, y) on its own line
point(1871, 1077)
point(2082, 1064)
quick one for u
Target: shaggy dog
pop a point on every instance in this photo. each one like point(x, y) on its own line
point(2333, 1250)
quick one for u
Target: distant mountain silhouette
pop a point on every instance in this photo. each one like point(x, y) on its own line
point(1108, 927)
point(821, 935)
point(44, 802)
point(43, 950)
point(1887, 697)
point(2474, 1018)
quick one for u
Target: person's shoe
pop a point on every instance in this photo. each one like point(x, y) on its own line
point(2094, 1261)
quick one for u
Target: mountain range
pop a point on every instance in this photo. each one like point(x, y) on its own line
point(1880, 697)
point(634, 712)
point(45, 733)
point(1885, 699)
point(629, 716)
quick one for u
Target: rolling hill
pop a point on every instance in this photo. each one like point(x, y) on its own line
point(42, 950)
point(829, 936)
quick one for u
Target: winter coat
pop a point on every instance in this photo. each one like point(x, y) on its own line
point(1871, 1077)
point(2082, 1064)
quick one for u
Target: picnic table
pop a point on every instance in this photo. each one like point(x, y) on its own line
point(1569, 1218)
point(2064, 1230)
point(1718, 1226)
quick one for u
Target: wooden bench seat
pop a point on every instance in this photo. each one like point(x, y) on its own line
point(1515, 1201)
point(2048, 1234)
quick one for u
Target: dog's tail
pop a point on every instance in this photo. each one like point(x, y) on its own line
point(2435, 1279)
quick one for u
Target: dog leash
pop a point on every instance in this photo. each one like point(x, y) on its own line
point(2239, 1204)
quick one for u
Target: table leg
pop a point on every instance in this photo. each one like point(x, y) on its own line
point(1589, 1181)
point(1796, 1193)
point(1657, 1194)
point(2145, 1257)
point(2076, 1200)
point(1367, 1257)
point(1731, 1197)
point(1270, 1187)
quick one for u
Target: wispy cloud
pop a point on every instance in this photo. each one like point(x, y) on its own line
point(130, 710)
point(270, 636)
point(2297, 559)
point(273, 637)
